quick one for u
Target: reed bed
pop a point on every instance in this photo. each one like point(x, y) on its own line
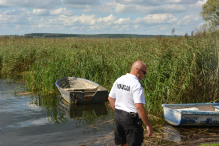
point(180, 69)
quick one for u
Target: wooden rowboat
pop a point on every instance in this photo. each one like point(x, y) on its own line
point(199, 114)
point(79, 90)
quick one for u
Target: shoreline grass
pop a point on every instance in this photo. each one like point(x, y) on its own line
point(180, 69)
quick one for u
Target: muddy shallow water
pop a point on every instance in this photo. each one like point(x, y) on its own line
point(27, 119)
point(189, 135)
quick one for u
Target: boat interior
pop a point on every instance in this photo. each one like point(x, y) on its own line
point(196, 108)
point(77, 84)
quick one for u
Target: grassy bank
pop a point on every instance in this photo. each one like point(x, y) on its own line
point(180, 70)
point(210, 144)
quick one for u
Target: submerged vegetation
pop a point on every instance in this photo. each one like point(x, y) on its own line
point(180, 69)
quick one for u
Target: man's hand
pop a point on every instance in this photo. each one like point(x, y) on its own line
point(150, 131)
point(144, 117)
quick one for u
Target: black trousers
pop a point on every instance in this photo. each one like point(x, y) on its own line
point(127, 130)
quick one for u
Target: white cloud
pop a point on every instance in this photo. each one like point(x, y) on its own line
point(156, 19)
point(122, 21)
point(121, 8)
point(136, 26)
point(131, 8)
point(77, 20)
point(16, 12)
point(189, 19)
point(104, 8)
point(38, 4)
point(91, 22)
point(61, 11)
point(14, 17)
point(180, 1)
point(81, 2)
point(140, 2)
point(86, 20)
point(41, 12)
point(110, 18)
point(88, 9)
point(155, 2)
point(198, 4)
point(46, 12)
point(134, 8)
point(57, 11)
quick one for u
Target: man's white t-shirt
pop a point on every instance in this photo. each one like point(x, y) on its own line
point(127, 90)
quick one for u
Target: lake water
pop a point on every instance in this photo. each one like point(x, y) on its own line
point(43, 120)
point(32, 120)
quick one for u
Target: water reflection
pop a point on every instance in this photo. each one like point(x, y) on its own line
point(73, 110)
point(86, 116)
point(59, 111)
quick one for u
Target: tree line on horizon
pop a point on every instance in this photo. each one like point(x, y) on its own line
point(59, 35)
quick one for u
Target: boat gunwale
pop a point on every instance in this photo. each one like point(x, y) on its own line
point(190, 112)
point(72, 77)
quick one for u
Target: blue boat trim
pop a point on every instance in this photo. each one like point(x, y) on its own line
point(199, 112)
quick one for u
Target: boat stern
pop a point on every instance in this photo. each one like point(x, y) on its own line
point(172, 116)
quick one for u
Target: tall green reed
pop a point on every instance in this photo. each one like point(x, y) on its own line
point(180, 70)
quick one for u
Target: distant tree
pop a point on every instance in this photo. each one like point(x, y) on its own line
point(173, 31)
point(186, 35)
point(210, 12)
point(192, 33)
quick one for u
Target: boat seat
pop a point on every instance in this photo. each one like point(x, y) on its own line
point(82, 89)
point(216, 108)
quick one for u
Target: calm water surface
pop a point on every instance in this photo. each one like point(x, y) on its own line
point(33, 120)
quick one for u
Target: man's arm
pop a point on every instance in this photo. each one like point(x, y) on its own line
point(112, 102)
point(144, 117)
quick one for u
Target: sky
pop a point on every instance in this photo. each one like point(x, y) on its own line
point(146, 17)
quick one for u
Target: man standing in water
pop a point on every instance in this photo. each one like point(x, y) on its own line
point(127, 100)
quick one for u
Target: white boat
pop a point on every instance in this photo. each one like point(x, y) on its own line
point(197, 114)
point(79, 90)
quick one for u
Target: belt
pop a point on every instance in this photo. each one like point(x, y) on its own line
point(134, 117)
point(125, 113)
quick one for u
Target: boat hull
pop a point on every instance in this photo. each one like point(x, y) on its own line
point(200, 114)
point(91, 94)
